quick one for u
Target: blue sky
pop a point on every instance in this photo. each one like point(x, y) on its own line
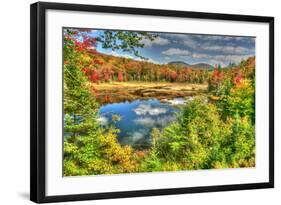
point(190, 48)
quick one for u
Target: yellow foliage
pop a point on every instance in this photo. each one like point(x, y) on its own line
point(121, 156)
point(214, 97)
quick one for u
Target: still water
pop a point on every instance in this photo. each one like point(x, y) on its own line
point(138, 118)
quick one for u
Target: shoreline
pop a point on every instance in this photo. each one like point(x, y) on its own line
point(130, 91)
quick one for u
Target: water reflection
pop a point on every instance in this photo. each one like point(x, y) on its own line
point(138, 118)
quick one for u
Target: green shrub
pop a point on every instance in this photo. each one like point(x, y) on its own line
point(239, 146)
point(201, 139)
point(191, 140)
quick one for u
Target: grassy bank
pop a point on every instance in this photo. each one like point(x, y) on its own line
point(121, 91)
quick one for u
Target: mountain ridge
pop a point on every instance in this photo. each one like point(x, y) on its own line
point(194, 66)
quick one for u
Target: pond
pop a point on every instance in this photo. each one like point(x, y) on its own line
point(138, 118)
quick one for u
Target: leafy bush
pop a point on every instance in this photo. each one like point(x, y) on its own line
point(241, 100)
point(239, 146)
point(192, 139)
point(151, 163)
point(233, 90)
point(98, 153)
point(200, 139)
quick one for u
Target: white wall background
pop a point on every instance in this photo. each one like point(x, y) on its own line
point(14, 100)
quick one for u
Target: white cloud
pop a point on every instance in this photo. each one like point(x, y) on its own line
point(176, 101)
point(213, 49)
point(146, 42)
point(145, 121)
point(176, 51)
point(144, 109)
point(190, 42)
point(204, 43)
point(103, 120)
point(160, 41)
point(157, 41)
point(137, 135)
point(222, 59)
point(225, 59)
point(152, 61)
point(164, 121)
point(237, 49)
point(155, 122)
point(113, 53)
point(200, 55)
point(227, 49)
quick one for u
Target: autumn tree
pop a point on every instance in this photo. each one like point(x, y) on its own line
point(88, 148)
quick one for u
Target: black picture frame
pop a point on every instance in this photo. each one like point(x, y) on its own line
point(38, 101)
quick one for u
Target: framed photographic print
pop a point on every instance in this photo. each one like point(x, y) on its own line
point(129, 102)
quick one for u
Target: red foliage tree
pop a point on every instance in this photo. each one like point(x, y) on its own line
point(95, 76)
point(173, 75)
point(216, 75)
point(238, 78)
point(120, 76)
point(106, 74)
